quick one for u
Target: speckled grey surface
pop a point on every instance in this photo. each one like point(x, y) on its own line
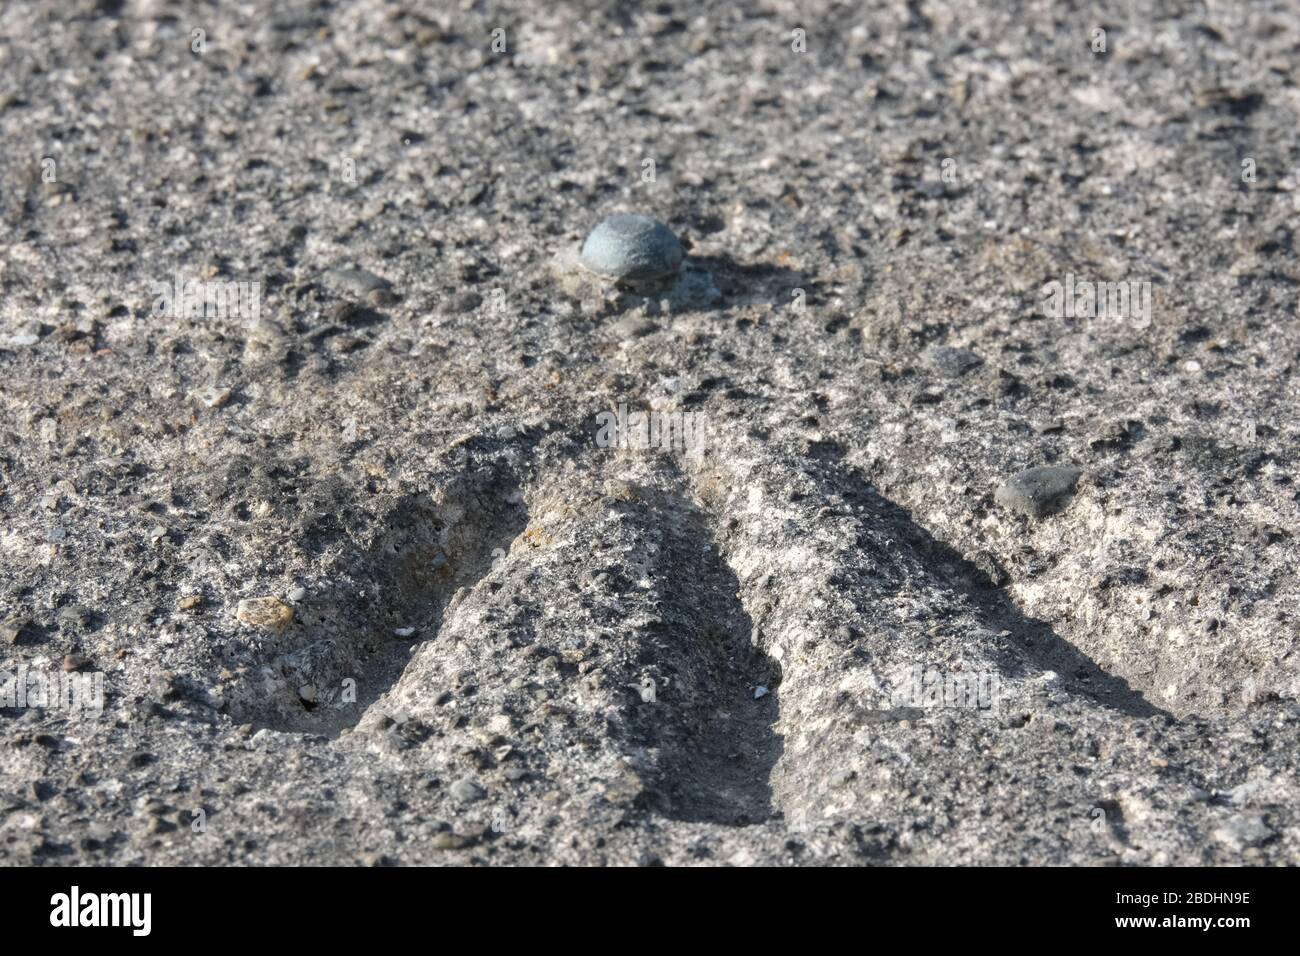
point(367, 578)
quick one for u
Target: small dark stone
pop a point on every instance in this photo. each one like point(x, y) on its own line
point(463, 302)
point(467, 791)
point(951, 362)
point(11, 630)
point(1038, 491)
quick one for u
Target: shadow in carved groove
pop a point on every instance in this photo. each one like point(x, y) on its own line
point(1031, 642)
point(719, 751)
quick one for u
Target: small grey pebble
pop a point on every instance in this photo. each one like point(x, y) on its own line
point(463, 302)
point(297, 594)
point(1038, 491)
point(359, 281)
point(466, 790)
point(951, 362)
point(1243, 831)
point(634, 247)
point(11, 631)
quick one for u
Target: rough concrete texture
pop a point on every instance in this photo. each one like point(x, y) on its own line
point(367, 577)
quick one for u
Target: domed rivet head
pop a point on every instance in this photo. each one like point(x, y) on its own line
point(632, 247)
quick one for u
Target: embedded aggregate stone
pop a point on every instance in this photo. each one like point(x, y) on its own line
point(952, 362)
point(467, 790)
point(814, 639)
point(267, 612)
point(358, 281)
point(1038, 491)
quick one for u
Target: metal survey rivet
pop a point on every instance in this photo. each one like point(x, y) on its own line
point(634, 247)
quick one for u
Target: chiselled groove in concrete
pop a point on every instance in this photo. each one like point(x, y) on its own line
point(449, 553)
point(720, 770)
point(426, 548)
point(617, 585)
point(727, 572)
point(847, 592)
point(1033, 646)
